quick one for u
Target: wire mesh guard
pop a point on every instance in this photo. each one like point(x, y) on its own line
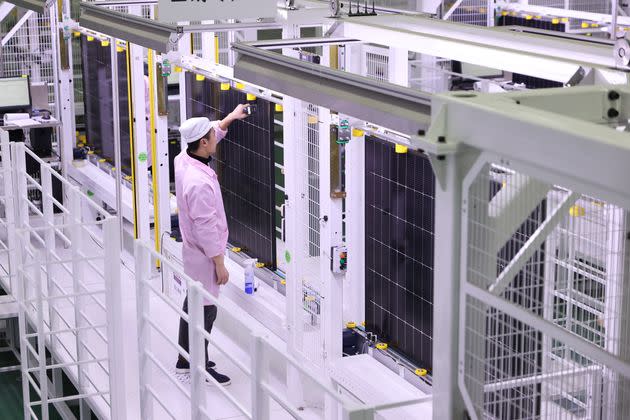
point(63, 308)
point(29, 52)
point(561, 257)
point(310, 341)
point(376, 63)
point(472, 12)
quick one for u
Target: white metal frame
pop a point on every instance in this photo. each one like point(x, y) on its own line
point(38, 232)
point(445, 140)
point(262, 348)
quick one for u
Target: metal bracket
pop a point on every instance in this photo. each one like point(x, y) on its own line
point(436, 146)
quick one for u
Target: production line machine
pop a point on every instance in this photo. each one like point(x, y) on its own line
point(380, 317)
point(333, 187)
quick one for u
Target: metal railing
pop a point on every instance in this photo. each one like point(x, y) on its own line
point(59, 243)
point(262, 351)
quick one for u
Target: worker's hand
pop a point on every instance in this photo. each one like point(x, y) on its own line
point(222, 274)
point(240, 112)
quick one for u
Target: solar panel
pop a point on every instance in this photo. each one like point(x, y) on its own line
point(97, 97)
point(399, 236)
point(244, 163)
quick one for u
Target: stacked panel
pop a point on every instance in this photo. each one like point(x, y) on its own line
point(98, 100)
point(399, 223)
point(244, 163)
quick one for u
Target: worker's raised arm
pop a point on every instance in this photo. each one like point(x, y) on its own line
point(239, 113)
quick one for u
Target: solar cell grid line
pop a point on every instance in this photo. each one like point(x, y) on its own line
point(244, 163)
point(400, 191)
point(98, 100)
point(123, 99)
point(96, 62)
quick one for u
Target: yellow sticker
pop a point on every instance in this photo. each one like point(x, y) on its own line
point(577, 211)
point(400, 149)
point(357, 132)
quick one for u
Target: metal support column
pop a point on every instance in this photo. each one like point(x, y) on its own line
point(448, 401)
point(139, 157)
point(294, 308)
point(116, 122)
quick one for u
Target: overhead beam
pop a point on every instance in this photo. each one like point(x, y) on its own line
point(389, 105)
point(38, 6)
point(5, 9)
point(564, 136)
point(535, 55)
point(134, 29)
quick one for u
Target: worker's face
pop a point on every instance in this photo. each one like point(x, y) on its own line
point(210, 143)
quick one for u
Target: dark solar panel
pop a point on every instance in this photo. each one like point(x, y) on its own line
point(97, 97)
point(245, 166)
point(399, 235)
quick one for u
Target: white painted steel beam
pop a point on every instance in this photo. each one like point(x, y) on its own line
point(560, 135)
point(375, 101)
point(512, 205)
point(38, 6)
point(16, 28)
point(535, 55)
point(533, 244)
point(571, 340)
point(5, 9)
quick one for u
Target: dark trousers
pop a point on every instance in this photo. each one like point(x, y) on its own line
point(209, 316)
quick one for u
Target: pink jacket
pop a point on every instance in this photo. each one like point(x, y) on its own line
point(202, 220)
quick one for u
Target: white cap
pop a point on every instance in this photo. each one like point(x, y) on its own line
point(195, 128)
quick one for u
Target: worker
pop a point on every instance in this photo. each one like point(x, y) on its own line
point(202, 220)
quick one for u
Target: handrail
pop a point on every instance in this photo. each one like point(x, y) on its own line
point(261, 345)
point(34, 234)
